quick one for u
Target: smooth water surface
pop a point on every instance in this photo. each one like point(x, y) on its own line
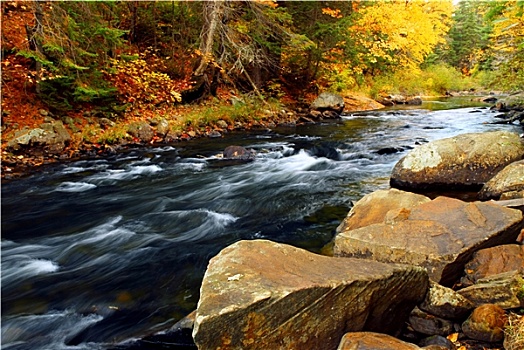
point(99, 251)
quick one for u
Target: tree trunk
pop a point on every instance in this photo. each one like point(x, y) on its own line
point(34, 36)
point(205, 76)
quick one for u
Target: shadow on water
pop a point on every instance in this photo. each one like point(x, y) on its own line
point(99, 252)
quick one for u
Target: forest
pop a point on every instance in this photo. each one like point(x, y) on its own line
point(189, 61)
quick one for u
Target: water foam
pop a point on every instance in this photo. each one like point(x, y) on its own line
point(75, 187)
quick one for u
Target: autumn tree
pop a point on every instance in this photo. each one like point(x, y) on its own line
point(396, 34)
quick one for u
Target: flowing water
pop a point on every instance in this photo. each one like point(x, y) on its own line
point(96, 252)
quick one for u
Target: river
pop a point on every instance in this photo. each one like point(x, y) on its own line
point(96, 252)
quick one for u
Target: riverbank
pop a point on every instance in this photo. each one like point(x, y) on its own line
point(86, 135)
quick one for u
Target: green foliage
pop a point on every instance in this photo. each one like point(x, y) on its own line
point(62, 93)
point(37, 58)
point(433, 80)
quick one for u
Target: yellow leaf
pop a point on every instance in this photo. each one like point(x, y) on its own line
point(453, 337)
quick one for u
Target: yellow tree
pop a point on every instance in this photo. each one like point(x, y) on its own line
point(399, 34)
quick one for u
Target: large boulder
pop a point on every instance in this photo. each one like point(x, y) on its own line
point(265, 295)
point(507, 184)
point(328, 101)
point(440, 235)
point(374, 207)
point(462, 162)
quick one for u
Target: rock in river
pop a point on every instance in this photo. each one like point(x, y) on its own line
point(265, 295)
point(440, 235)
point(462, 162)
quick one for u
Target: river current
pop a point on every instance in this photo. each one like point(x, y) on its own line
point(97, 252)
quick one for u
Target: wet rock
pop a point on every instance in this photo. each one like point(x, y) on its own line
point(462, 162)
point(374, 207)
point(425, 323)
point(445, 303)
point(265, 295)
point(141, 131)
point(238, 152)
point(486, 323)
point(375, 341)
point(508, 180)
point(493, 261)
point(390, 150)
point(327, 101)
point(504, 290)
point(440, 235)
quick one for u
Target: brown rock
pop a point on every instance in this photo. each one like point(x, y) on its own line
point(504, 290)
point(374, 341)
point(508, 180)
point(493, 261)
point(445, 302)
point(486, 323)
point(353, 103)
point(264, 295)
point(440, 235)
point(374, 207)
point(463, 161)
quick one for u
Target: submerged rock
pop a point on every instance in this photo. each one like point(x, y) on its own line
point(440, 235)
point(462, 162)
point(265, 295)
